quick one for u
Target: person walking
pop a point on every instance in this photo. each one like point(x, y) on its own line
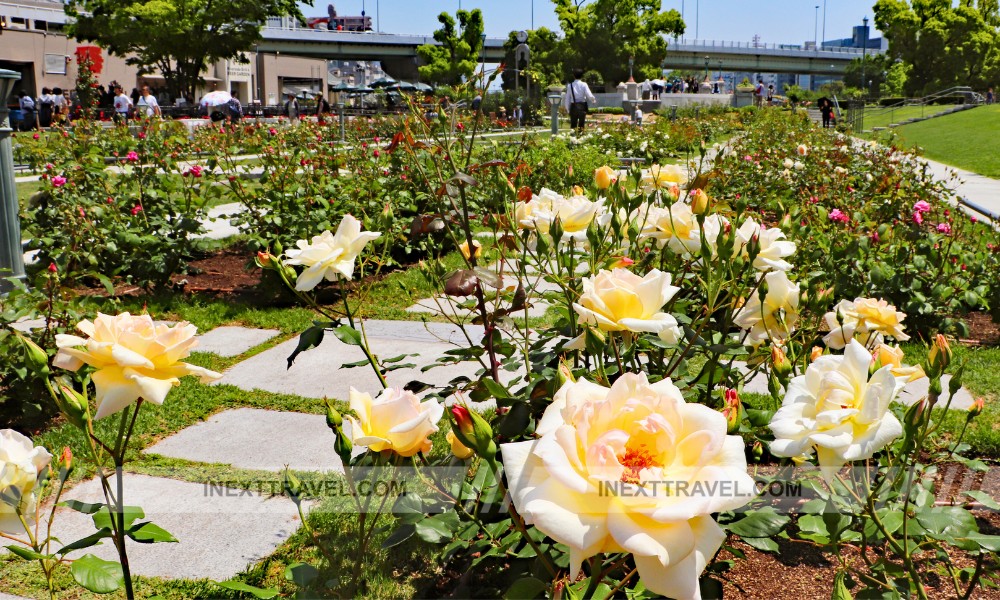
point(758, 94)
point(826, 110)
point(147, 106)
point(45, 108)
point(122, 104)
point(990, 98)
point(575, 100)
point(770, 94)
point(291, 109)
point(27, 105)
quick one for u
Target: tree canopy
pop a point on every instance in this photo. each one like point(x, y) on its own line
point(602, 35)
point(941, 44)
point(545, 64)
point(180, 38)
point(457, 52)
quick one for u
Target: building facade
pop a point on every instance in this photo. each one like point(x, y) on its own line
point(33, 44)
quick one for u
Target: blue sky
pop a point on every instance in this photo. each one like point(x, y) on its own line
point(775, 21)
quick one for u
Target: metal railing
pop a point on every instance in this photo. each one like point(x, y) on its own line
point(968, 96)
point(775, 47)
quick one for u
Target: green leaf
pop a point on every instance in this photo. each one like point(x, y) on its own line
point(256, 592)
point(301, 574)
point(310, 338)
point(983, 498)
point(102, 519)
point(762, 523)
point(400, 535)
point(86, 542)
point(840, 591)
point(438, 528)
point(526, 588)
point(764, 544)
point(85, 508)
point(97, 575)
point(348, 335)
point(990, 543)
point(947, 522)
point(495, 389)
point(148, 533)
point(25, 553)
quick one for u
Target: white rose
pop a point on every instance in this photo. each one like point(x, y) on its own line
point(836, 410)
point(330, 256)
point(775, 318)
point(21, 465)
point(675, 226)
point(773, 246)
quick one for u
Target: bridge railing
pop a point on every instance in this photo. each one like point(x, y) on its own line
point(791, 48)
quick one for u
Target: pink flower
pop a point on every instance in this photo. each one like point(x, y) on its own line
point(132, 156)
point(49, 166)
point(922, 206)
point(944, 228)
point(375, 153)
point(142, 135)
point(136, 209)
point(36, 136)
point(838, 216)
point(272, 131)
point(58, 181)
point(918, 218)
point(973, 219)
point(52, 268)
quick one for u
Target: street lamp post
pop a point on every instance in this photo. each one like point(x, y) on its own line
point(707, 76)
point(864, 48)
point(11, 253)
point(340, 109)
point(824, 22)
point(815, 25)
point(555, 96)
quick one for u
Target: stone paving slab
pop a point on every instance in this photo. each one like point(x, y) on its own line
point(317, 373)
point(252, 438)
point(217, 225)
point(220, 530)
point(11, 597)
point(450, 307)
point(233, 341)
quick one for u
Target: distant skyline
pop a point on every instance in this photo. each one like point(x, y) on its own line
point(775, 21)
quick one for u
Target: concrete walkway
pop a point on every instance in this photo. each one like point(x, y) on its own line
point(982, 192)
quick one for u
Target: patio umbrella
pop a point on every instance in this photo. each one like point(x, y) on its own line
point(343, 86)
point(402, 86)
point(383, 82)
point(658, 82)
point(363, 90)
point(217, 98)
point(423, 87)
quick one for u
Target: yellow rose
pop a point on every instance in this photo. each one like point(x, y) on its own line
point(21, 465)
point(865, 319)
point(457, 447)
point(396, 421)
point(133, 357)
point(620, 300)
point(660, 177)
point(464, 249)
point(604, 177)
point(892, 356)
point(631, 468)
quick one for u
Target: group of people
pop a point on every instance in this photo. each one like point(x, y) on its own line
point(139, 105)
point(763, 96)
point(53, 107)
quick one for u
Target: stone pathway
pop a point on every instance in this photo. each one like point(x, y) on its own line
point(233, 341)
point(978, 190)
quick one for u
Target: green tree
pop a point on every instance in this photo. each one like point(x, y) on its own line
point(941, 44)
point(602, 35)
point(457, 52)
point(180, 38)
point(874, 68)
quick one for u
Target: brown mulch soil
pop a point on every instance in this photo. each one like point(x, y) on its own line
point(229, 271)
point(982, 329)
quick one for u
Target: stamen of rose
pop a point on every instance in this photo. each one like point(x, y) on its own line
point(635, 459)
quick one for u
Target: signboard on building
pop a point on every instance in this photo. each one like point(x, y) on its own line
point(238, 71)
point(55, 64)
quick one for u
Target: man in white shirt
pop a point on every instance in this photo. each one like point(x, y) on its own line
point(147, 105)
point(575, 100)
point(122, 105)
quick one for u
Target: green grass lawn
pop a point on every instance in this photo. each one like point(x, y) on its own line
point(966, 140)
point(882, 117)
